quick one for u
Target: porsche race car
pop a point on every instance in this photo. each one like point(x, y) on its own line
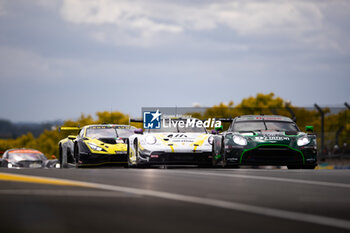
point(265, 140)
point(172, 145)
point(95, 145)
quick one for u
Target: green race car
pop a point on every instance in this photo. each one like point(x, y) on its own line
point(265, 140)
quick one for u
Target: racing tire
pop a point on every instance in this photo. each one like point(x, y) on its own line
point(76, 156)
point(308, 167)
point(215, 150)
point(60, 155)
point(213, 163)
point(62, 161)
point(232, 166)
point(205, 166)
point(143, 166)
point(135, 148)
point(293, 166)
point(137, 165)
point(223, 155)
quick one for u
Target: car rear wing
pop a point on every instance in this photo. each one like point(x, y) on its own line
point(69, 128)
point(135, 120)
point(229, 120)
point(140, 120)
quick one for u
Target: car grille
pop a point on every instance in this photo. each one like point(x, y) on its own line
point(272, 155)
point(31, 164)
point(179, 158)
point(111, 140)
point(108, 140)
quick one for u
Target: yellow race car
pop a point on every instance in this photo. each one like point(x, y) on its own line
point(95, 145)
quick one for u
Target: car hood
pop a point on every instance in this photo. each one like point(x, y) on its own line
point(110, 145)
point(180, 137)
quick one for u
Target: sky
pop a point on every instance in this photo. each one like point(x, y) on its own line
point(61, 58)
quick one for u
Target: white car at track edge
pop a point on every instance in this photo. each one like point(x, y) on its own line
point(171, 145)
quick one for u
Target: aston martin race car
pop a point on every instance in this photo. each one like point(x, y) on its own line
point(27, 158)
point(173, 145)
point(95, 145)
point(265, 140)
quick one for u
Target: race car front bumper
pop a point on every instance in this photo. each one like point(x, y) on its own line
point(92, 159)
point(271, 155)
point(176, 158)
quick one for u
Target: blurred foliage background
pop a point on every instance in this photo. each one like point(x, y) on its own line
point(337, 123)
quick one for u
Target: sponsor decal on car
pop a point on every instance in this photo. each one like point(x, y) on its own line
point(272, 138)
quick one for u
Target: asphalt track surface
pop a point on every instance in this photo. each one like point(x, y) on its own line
point(174, 200)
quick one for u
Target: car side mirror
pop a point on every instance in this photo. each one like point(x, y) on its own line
point(72, 137)
point(219, 128)
point(138, 131)
point(309, 129)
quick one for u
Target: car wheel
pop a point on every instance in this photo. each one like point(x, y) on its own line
point(70, 156)
point(224, 162)
point(143, 166)
point(136, 149)
point(76, 155)
point(129, 162)
point(128, 155)
point(308, 167)
point(205, 166)
point(293, 166)
point(223, 154)
point(64, 163)
point(138, 165)
point(213, 156)
point(60, 154)
point(217, 150)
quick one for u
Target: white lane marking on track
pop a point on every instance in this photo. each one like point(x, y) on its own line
point(283, 214)
point(322, 183)
point(284, 171)
point(72, 193)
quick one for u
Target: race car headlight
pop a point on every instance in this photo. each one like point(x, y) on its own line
point(303, 141)
point(94, 147)
point(57, 165)
point(151, 139)
point(211, 140)
point(239, 140)
point(9, 165)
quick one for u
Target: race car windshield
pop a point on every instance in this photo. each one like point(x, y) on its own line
point(244, 126)
point(101, 133)
point(125, 133)
point(16, 157)
point(281, 126)
point(192, 129)
point(168, 129)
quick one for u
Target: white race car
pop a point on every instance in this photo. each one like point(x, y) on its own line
point(173, 145)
